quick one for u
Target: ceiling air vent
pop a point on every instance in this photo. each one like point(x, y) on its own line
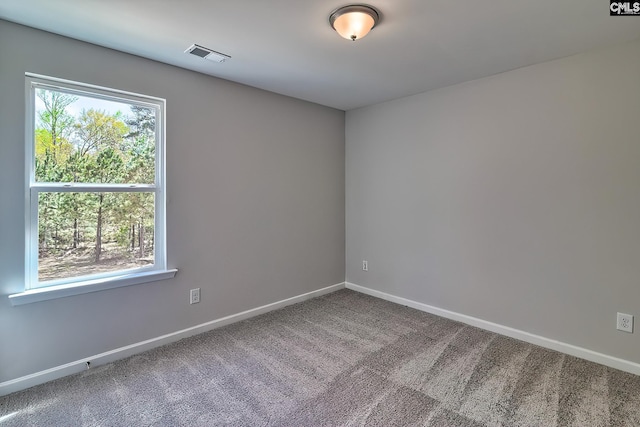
point(205, 53)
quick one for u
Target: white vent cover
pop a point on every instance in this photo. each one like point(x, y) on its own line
point(205, 53)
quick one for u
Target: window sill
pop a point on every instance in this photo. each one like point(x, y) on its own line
point(61, 291)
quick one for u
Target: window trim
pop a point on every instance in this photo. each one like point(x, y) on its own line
point(88, 286)
point(100, 281)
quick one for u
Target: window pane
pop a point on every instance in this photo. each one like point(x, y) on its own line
point(91, 140)
point(81, 234)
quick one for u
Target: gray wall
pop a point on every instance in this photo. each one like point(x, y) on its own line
point(514, 199)
point(255, 208)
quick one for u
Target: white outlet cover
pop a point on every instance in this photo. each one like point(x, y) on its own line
point(625, 322)
point(194, 296)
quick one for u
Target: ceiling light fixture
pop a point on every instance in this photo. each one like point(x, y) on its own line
point(353, 22)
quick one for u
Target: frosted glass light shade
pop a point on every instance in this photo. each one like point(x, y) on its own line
point(354, 22)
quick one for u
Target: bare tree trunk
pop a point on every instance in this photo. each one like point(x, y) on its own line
point(76, 233)
point(141, 237)
point(43, 235)
point(99, 229)
point(133, 237)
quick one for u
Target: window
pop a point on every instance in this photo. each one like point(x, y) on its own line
point(96, 199)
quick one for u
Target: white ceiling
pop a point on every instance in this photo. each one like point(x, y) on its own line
point(288, 47)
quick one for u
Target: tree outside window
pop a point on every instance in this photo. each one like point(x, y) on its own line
point(96, 194)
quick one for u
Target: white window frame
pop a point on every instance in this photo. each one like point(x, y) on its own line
point(34, 291)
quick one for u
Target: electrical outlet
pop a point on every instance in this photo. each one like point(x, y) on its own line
point(625, 322)
point(194, 295)
point(365, 265)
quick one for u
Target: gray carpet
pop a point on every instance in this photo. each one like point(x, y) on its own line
point(341, 359)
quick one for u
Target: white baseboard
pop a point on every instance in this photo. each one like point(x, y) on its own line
point(122, 352)
point(583, 353)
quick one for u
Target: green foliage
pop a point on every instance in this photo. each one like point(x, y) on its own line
point(54, 126)
point(93, 146)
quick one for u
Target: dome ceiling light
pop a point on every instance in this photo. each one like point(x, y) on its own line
point(353, 22)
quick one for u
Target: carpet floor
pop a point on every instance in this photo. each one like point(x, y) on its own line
point(337, 360)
